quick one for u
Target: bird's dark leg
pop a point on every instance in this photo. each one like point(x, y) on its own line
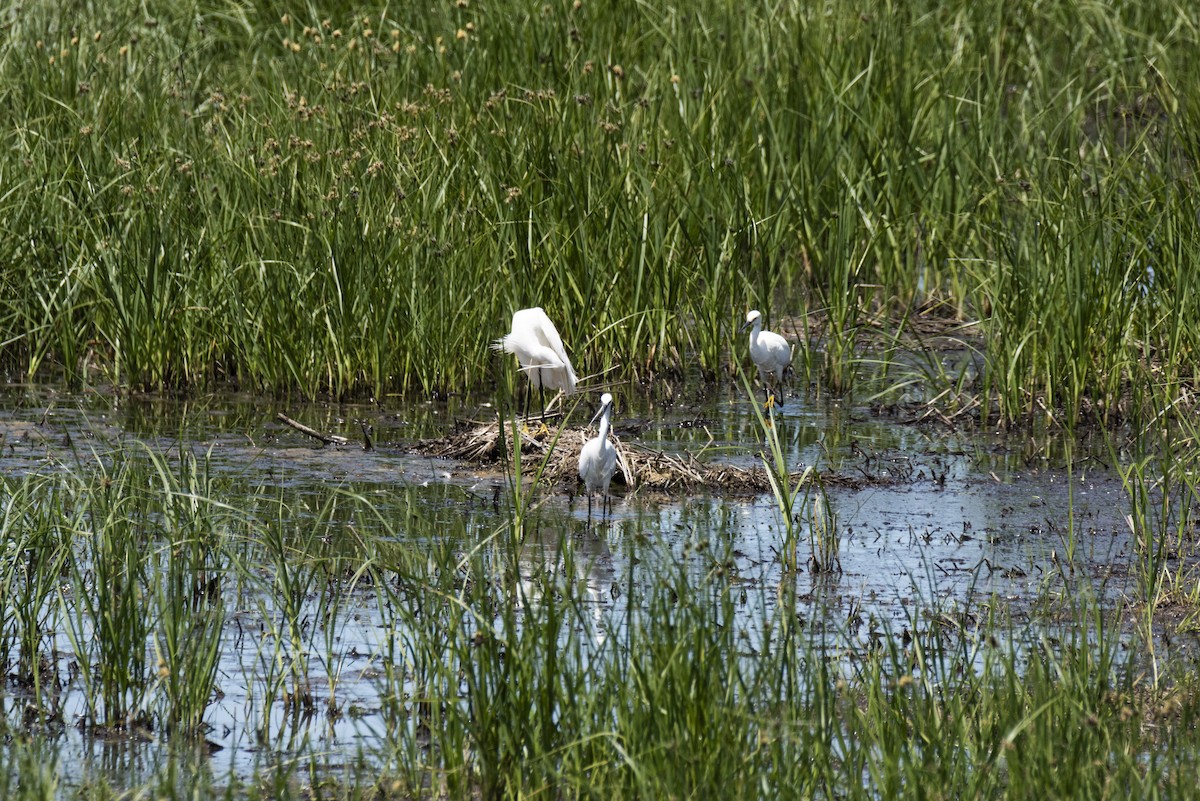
point(542, 393)
point(770, 385)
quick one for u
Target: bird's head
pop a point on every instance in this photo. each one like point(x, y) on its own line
point(606, 401)
point(752, 317)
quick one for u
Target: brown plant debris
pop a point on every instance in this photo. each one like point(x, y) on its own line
point(637, 466)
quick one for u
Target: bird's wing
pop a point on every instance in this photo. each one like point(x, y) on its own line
point(547, 334)
point(587, 457)
point(777, 343)
point(524, 324)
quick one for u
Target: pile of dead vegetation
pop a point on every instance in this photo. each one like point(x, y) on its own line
point(637, 466)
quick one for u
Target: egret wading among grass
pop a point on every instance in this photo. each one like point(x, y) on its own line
point(770, 352)
point(598, 458)
point(540, 352)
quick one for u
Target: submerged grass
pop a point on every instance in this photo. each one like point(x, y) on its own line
point(353, 197)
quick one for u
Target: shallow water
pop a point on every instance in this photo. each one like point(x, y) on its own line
point(930, 520)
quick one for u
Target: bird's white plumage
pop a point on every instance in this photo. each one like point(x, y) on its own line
point(770, 352)
point(598, 459)
point(539, 350)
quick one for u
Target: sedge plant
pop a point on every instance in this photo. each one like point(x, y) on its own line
point(785, 489)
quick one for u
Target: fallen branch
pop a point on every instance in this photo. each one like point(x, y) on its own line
point(328, 439)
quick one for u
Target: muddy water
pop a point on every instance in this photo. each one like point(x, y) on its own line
point(929, 519)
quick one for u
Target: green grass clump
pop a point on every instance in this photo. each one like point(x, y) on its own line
point(143, 609)
point(36, 553)
point(355, 197)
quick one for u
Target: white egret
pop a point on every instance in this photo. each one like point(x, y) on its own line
point(540, 352)
point(598, 458)
point(770, 352)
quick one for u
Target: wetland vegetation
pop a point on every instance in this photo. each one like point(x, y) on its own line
point(976, 220)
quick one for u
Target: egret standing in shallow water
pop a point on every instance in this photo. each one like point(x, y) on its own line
point(598, 459)
point(770, 352)
point(540, 352)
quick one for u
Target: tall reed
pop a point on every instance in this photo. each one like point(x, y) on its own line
point(356, 202)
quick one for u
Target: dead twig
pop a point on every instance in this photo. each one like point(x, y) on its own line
point(328, 439)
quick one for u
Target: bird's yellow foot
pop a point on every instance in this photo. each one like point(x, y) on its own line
point(536, 433)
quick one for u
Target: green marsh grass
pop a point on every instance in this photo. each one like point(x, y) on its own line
point(824, 538)
point(500, 673)
point(144, 610)
point(294, 578)
point(28, 772)
point(188, 587)
point(788, 488)
point(105, 604)
point(523, 491)
point(354, 198)
point(36, 554)
point(688, 695)
point(1163, 488)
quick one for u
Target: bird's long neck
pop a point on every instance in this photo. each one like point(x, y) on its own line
point(756, 330)
point(604, 424)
